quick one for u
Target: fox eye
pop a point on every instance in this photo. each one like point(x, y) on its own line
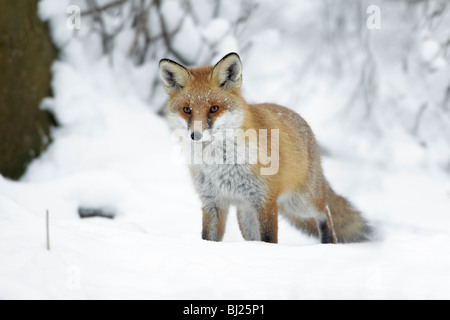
point(214, 109)
point(187, 110)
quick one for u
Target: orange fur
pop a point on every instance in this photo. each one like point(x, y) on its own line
point(299, 181)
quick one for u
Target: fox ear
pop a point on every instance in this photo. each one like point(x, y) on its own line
point(173, 75)
point(228, 72)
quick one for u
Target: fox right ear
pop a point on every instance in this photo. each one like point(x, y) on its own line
point(227, 73)
point(173, 75)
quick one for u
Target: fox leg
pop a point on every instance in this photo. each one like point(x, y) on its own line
point(268, 223)
point(214, 221)
point(326, 227)
point(248, 224)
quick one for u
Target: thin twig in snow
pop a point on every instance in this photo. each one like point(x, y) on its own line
point(48, 230)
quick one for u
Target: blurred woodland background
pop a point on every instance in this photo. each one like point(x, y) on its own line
point(320, 58)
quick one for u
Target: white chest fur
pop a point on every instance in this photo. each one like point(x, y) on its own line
point(224, 184)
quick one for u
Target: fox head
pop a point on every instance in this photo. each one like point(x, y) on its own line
point(204, 100)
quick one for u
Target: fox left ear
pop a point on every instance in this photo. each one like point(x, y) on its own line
point(228, 72)
point(174, 75)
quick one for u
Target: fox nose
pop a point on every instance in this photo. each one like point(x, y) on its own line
point(196, 136)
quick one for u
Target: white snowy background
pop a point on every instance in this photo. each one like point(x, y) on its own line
point(378, 101)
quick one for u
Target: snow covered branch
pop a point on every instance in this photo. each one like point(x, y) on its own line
point(166, 28)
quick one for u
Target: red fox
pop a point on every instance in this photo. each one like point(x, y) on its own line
point(206, 103)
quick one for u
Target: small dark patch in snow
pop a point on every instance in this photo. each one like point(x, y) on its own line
point(96, 212)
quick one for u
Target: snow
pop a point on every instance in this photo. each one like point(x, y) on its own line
point(113, 152)
point(158, 254)
point(188, 40)
point(216, 30)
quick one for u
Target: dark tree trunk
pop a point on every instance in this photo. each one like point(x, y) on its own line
point(26, 54)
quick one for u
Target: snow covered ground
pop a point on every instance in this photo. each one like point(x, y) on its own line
point(112, 152)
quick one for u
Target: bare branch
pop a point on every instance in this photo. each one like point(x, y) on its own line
point(167, 36)
point(140, 23)
point(103, 8)
point(97, 16)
